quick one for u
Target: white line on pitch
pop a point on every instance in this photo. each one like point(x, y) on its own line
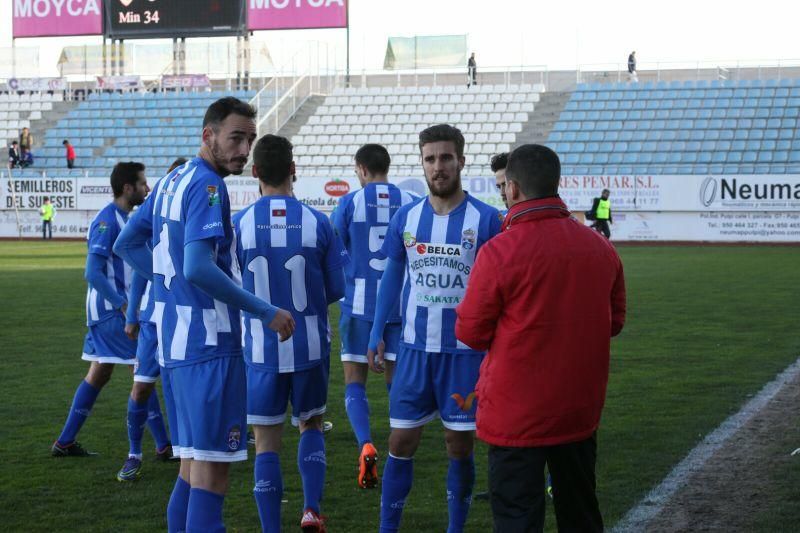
point(637, 518)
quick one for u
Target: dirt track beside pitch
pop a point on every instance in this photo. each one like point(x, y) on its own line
point(742, 479)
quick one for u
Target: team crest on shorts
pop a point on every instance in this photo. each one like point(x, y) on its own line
point(213, 196)
point(234, 438)
point(468, 239)
point(409, 240)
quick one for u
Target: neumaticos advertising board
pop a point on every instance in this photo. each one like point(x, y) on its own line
point(132, 19)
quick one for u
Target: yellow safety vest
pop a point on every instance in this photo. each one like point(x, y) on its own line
point(47, 212)
point(603, 209)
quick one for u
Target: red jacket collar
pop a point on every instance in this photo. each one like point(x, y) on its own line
point(529, 210)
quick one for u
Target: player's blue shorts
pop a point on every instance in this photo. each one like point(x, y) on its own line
point(354, 334)
point(172, 417)
point(268, 394)
point(210, 407)
point(429, 384)
point(146, 369)
point(106, 342)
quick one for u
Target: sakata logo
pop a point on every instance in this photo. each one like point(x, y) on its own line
point(408, 239)
point(315, 457)
point(465, 404)
point(234, 438)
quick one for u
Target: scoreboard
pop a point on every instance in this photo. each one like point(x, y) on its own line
point(145, 19)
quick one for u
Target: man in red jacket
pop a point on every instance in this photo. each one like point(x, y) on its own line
point(544, 298)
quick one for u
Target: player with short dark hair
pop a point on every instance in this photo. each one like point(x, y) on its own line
point(289, 255)
point(196, 311)
point(361, 220)
point(109, 279)
point(430, 247)
point(143, 404)
point(498, 164)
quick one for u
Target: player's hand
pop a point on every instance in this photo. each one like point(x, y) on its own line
point(132, 331)
point(282, 324)
point(375, 359)
point(124, 308)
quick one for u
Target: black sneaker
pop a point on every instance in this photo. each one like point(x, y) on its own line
point(165, 454)
point(73, 450)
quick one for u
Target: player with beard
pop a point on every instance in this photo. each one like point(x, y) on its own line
point(430, 247)
point(196, 311)
point(106, 344)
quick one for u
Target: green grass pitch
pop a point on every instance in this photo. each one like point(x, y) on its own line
point(707, 327)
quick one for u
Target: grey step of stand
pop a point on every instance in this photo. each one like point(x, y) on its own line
point(297, 121)
point(49, 120)
point(544, 116)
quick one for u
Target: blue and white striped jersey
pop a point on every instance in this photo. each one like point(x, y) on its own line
point(103, 231)
point(191, 203)
point(361, 220)
point(439, 252)
point(284, 250)
point(147, 304)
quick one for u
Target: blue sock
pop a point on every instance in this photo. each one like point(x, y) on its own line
point(177, 506)
point(357, 406)
point(311, 463)
point(460, 480)
point(268, 491)
point(155, 422)
point(137, 416)
point(205, 512)
point(398, 474)
point(82, 404)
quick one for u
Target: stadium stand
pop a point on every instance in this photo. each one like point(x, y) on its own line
point(18, 110)
point(154, 128)
point(489, 115)
point(681, 127)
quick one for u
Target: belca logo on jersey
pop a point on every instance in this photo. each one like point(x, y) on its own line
point(438, 249)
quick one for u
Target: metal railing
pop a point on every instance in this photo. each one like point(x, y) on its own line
point(491, 75)
point(683, 70)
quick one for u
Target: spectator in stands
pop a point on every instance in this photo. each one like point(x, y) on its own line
point(498, 164)
point(25, 140)
point(70, 154)
point(26, 160)
point(472, 71)
point(601, 214)
point(632, 67)
point(542, 387)
point(13, 155)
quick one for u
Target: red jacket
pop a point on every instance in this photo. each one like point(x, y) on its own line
point(70, 152)
point(544, 298)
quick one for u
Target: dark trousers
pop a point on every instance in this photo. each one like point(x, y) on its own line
point(70, 163)
point(472, 76)
point(47, 226)
point(516, 487)
point(602, 227)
